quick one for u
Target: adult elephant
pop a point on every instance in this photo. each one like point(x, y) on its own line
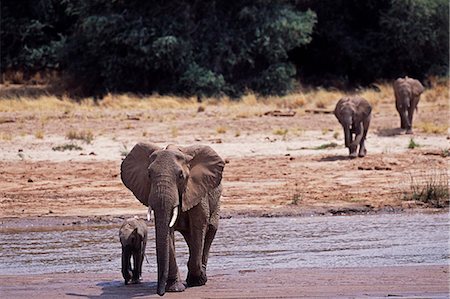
point(354, 114)
point(182, 185)
point(407, 95)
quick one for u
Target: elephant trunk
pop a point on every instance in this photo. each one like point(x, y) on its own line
point(162, 256)
point(163, 201)
point(348, 136)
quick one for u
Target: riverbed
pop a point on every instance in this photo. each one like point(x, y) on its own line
point(244, 244)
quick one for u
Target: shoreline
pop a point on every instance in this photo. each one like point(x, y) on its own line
point(430, 281)
point(63, 223)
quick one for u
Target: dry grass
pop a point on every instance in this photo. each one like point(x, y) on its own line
point(439, 92)
point(5, 136)
point(86, 136)
point(248, 106)
point(430, 187)
point(321, 98)
point(280, 131)
point(384, 95)
point(155, 102)
point(432, 128)
point(221, 130)
point(44, 103)
point(39, 134)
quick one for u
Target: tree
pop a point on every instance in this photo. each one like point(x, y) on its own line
point(186, 47)
point(33, 34)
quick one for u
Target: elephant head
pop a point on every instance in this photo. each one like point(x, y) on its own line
point(170, 181)
point(353, 113)
point(407, 93)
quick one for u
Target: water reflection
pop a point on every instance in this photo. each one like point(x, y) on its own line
point(246, 243)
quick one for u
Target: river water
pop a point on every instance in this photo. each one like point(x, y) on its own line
point(245, 244)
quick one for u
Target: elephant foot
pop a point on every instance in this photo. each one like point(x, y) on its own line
point(195, 281)
point(174, 286)
point(409, 131)
point(135, 281)
point(362, 153)
point(352, 155)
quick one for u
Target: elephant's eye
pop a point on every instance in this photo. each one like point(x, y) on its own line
point(181, 175)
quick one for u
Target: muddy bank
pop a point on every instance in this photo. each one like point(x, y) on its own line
point(405, 281)
point(257, 186)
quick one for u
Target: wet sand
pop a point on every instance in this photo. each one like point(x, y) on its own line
point(379, 282)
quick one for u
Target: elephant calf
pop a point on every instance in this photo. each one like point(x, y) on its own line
point(407, 95)
point(354, 114)
point(133, 236)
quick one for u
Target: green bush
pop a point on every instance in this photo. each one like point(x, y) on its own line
point(223, 47)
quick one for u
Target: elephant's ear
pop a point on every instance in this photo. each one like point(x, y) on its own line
point(206, 168)
point(364, 108)
point(134, 173)
point(339, 106)
point(416, 87)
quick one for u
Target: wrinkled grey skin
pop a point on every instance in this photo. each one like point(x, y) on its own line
point(407, 93)
point(189, 180)
point(354, 114)
point(133, 237)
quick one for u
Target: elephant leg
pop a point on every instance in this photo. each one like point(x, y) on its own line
point(357, 129)
point(195, 240)
point(362, 145)
point(401, 113)
point(126, 273)
point(137, 263)
point(405, 119)
point(210, 234)
point(402, 121)
point(174, 283)
point(410, 119)
point(348, 133)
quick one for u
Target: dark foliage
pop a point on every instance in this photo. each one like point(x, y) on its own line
point(358, 42)
point(33, 34)
point(218, 47)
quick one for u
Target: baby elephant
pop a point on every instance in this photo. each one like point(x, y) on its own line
point(407, 95)
point(354, 114)
point(133, 236)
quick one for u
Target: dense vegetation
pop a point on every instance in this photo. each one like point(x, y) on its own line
point(223, 47)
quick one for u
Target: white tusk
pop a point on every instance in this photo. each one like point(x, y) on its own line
point(174, 216)
point(149, 213)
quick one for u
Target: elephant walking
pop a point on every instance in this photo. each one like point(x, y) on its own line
point(354, 114)
point(407, 95)
point(133, 236)
point(182, 185)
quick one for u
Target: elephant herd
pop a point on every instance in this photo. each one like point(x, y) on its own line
point(354, 113)
point(182, 186)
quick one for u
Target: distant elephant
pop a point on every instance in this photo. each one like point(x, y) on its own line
point(182, 185)
point(133, 237)
point(354, 114)
point(407, 95)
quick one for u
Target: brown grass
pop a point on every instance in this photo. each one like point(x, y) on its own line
point(248, 106)
point(429, 127)
point(86, 136)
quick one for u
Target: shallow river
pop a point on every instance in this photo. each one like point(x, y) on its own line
point(247, 243)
